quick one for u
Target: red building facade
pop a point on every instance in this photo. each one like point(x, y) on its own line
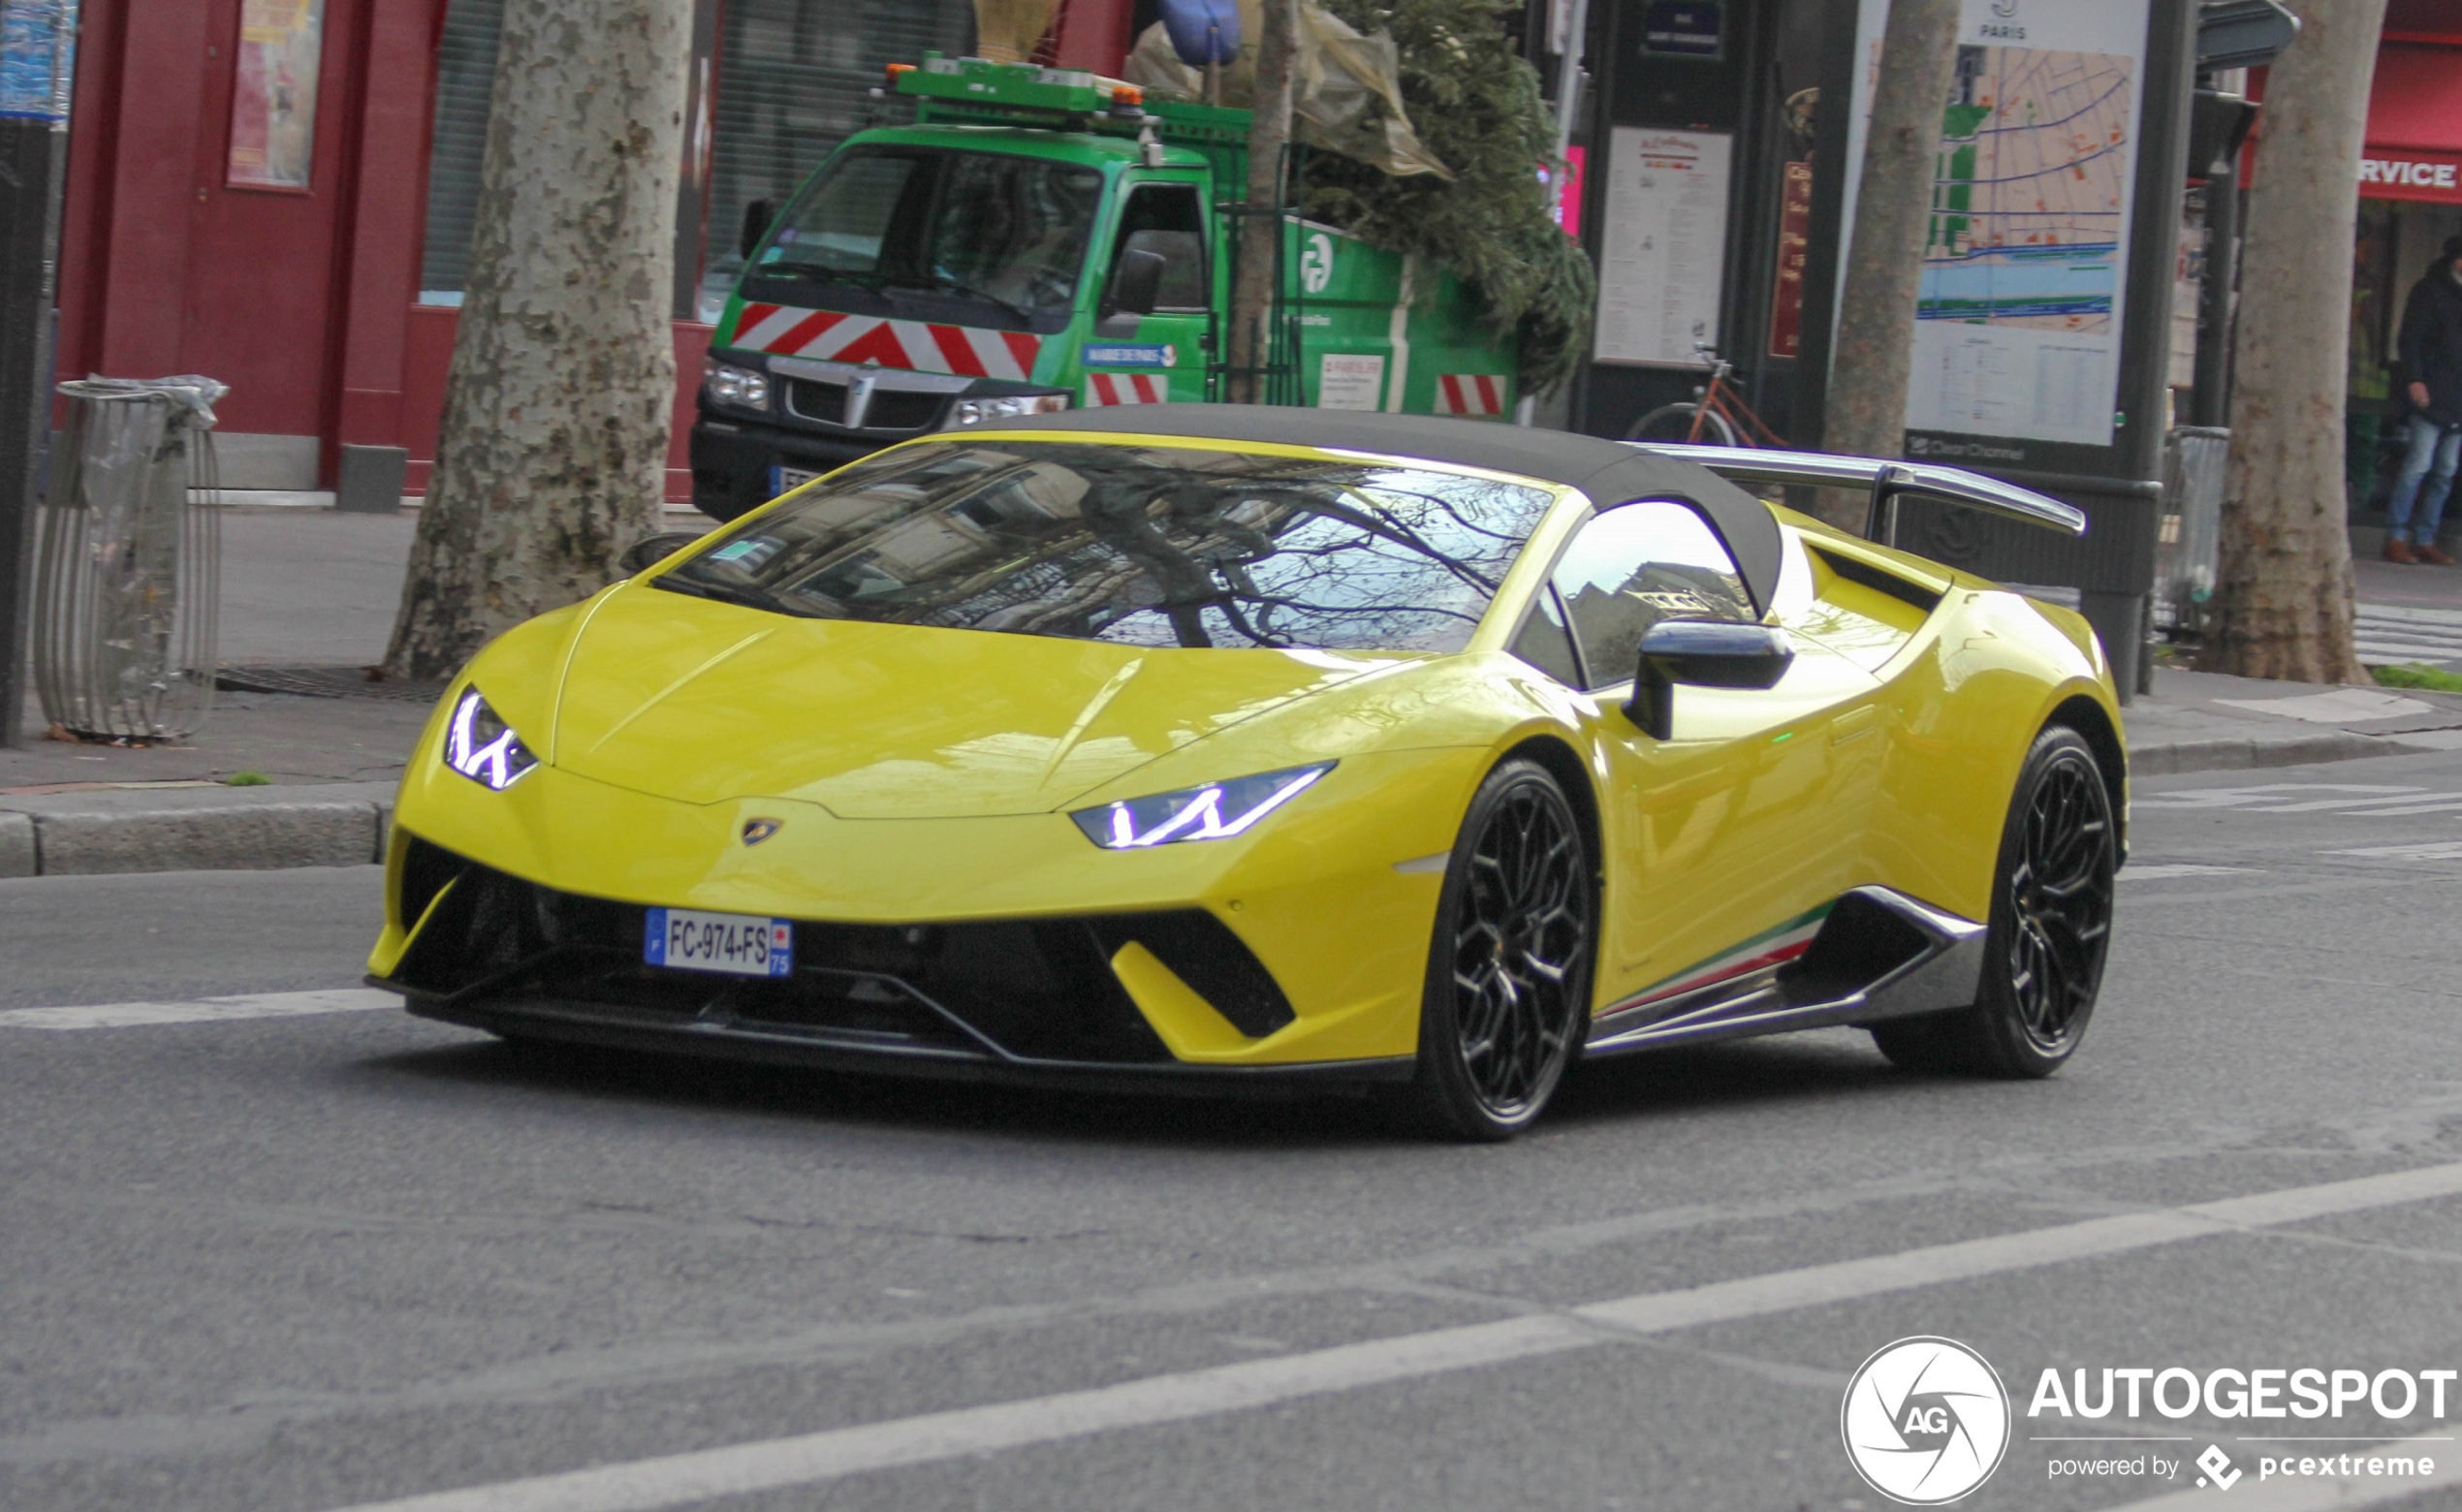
point(270, 192)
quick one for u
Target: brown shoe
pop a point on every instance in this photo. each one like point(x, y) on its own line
point(2397, 549)
point(2431, 555)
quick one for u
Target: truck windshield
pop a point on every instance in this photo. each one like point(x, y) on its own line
point(992, 226)
point(1143, 546)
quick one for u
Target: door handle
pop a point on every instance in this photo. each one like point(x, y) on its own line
point(1855, 724)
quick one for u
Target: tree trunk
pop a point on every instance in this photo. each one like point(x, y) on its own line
point(1867, 404)
point(2283, 601)
point(557, 407)
point(1269, 129)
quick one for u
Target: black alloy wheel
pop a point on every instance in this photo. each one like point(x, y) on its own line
point(1507, 998)
point(2050, 929)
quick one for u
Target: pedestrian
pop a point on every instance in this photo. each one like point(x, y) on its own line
point(2431, 351)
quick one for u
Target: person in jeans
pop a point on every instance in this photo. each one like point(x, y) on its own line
point(2431, 351)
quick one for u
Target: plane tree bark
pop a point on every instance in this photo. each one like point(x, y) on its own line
point(1269, 132)
point(1866, 408)
point(2283, 598)
point(557, 407)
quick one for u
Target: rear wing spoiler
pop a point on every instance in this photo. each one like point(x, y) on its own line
point(1885, 481)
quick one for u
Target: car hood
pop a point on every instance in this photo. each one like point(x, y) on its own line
point(704, 703)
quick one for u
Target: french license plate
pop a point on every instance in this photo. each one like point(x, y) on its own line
point(736, 944)
point(784, 480)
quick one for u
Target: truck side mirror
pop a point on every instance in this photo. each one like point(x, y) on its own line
point(1136, 283)
point(757, 215)
point(1710, 654)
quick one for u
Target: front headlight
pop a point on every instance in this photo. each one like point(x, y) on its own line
point(974, 412)
point(483, 747)
point(1215, 812)
point(739, 386)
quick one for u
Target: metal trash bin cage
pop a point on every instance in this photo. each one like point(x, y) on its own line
point(2188, 549)
point(128, 562)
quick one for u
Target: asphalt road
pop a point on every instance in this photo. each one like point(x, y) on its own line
point(338, 1259)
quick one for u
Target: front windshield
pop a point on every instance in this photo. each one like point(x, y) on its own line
point(1140, 546)
point(990, 226)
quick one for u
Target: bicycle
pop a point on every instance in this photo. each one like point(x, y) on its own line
point(1714, 415)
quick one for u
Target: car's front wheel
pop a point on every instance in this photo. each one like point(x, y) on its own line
point(1507, 995)
point(2050, 929)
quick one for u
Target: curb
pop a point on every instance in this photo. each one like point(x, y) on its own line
point(344, 824)
point(95, 833)
point(2295, 751)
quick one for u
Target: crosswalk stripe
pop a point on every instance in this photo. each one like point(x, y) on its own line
point(203, 1010)
point(2135, 873)
point(937, 1438)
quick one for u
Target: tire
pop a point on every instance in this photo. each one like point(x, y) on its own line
point(2044, 951)
point(1673, 423)
point(1507, 993)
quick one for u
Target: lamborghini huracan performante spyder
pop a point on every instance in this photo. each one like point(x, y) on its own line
point(1202, 744)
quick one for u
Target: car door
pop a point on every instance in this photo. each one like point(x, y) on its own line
point(1157, 357)
point(1742, 826)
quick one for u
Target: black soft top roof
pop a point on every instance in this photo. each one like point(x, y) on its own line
point(1608, 472)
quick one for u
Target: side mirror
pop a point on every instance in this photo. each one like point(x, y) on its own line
point(649, 550)
point(1136, 283)
point(757, 216)
point(1709, 653)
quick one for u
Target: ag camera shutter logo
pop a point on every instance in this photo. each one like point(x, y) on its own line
point(1926, 1420)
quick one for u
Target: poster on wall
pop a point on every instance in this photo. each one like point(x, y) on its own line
point(1662, 252)
point(273, 93)
point(2019, 309)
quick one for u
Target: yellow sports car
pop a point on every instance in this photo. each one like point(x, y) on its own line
point(1202, 744)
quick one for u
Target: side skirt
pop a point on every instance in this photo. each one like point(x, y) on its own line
point(1880, 955)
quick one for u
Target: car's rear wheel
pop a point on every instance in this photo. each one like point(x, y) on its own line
point(1509, 972)
point(2050, 928)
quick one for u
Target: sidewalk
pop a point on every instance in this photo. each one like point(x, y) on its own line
point(309, 599)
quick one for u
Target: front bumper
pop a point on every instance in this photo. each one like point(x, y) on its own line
point(996, 947)
point(1024, 997)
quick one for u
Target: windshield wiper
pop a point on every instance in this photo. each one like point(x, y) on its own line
point(941, 280)
point(743, 595)
point(820, 272)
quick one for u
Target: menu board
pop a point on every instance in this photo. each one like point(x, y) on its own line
point(1662, 251)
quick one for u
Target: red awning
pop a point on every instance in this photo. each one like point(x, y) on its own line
point(2414, 125)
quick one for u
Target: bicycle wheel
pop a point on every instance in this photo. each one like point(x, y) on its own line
point(1674, 422)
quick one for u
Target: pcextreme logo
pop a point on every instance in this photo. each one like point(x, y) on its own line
point(1926, 1421)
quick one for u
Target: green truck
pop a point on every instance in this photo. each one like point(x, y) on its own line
point(1041, 239)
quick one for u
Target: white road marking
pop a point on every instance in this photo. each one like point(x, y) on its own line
point(2430, 850)
point(203, 1010)
point(809, 1459)
point(2272, 793)
point(2175, 870)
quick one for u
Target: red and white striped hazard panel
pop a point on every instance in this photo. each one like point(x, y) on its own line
point(832, 336)
point(1125, 388)
point(1469, 393)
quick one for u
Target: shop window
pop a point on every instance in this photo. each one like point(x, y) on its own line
point(465, 73)
point(793, 81)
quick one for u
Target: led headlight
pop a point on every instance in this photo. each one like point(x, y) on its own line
point(483, 747)
point(974, 412)
point(1215, 812)
point(739, 386)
